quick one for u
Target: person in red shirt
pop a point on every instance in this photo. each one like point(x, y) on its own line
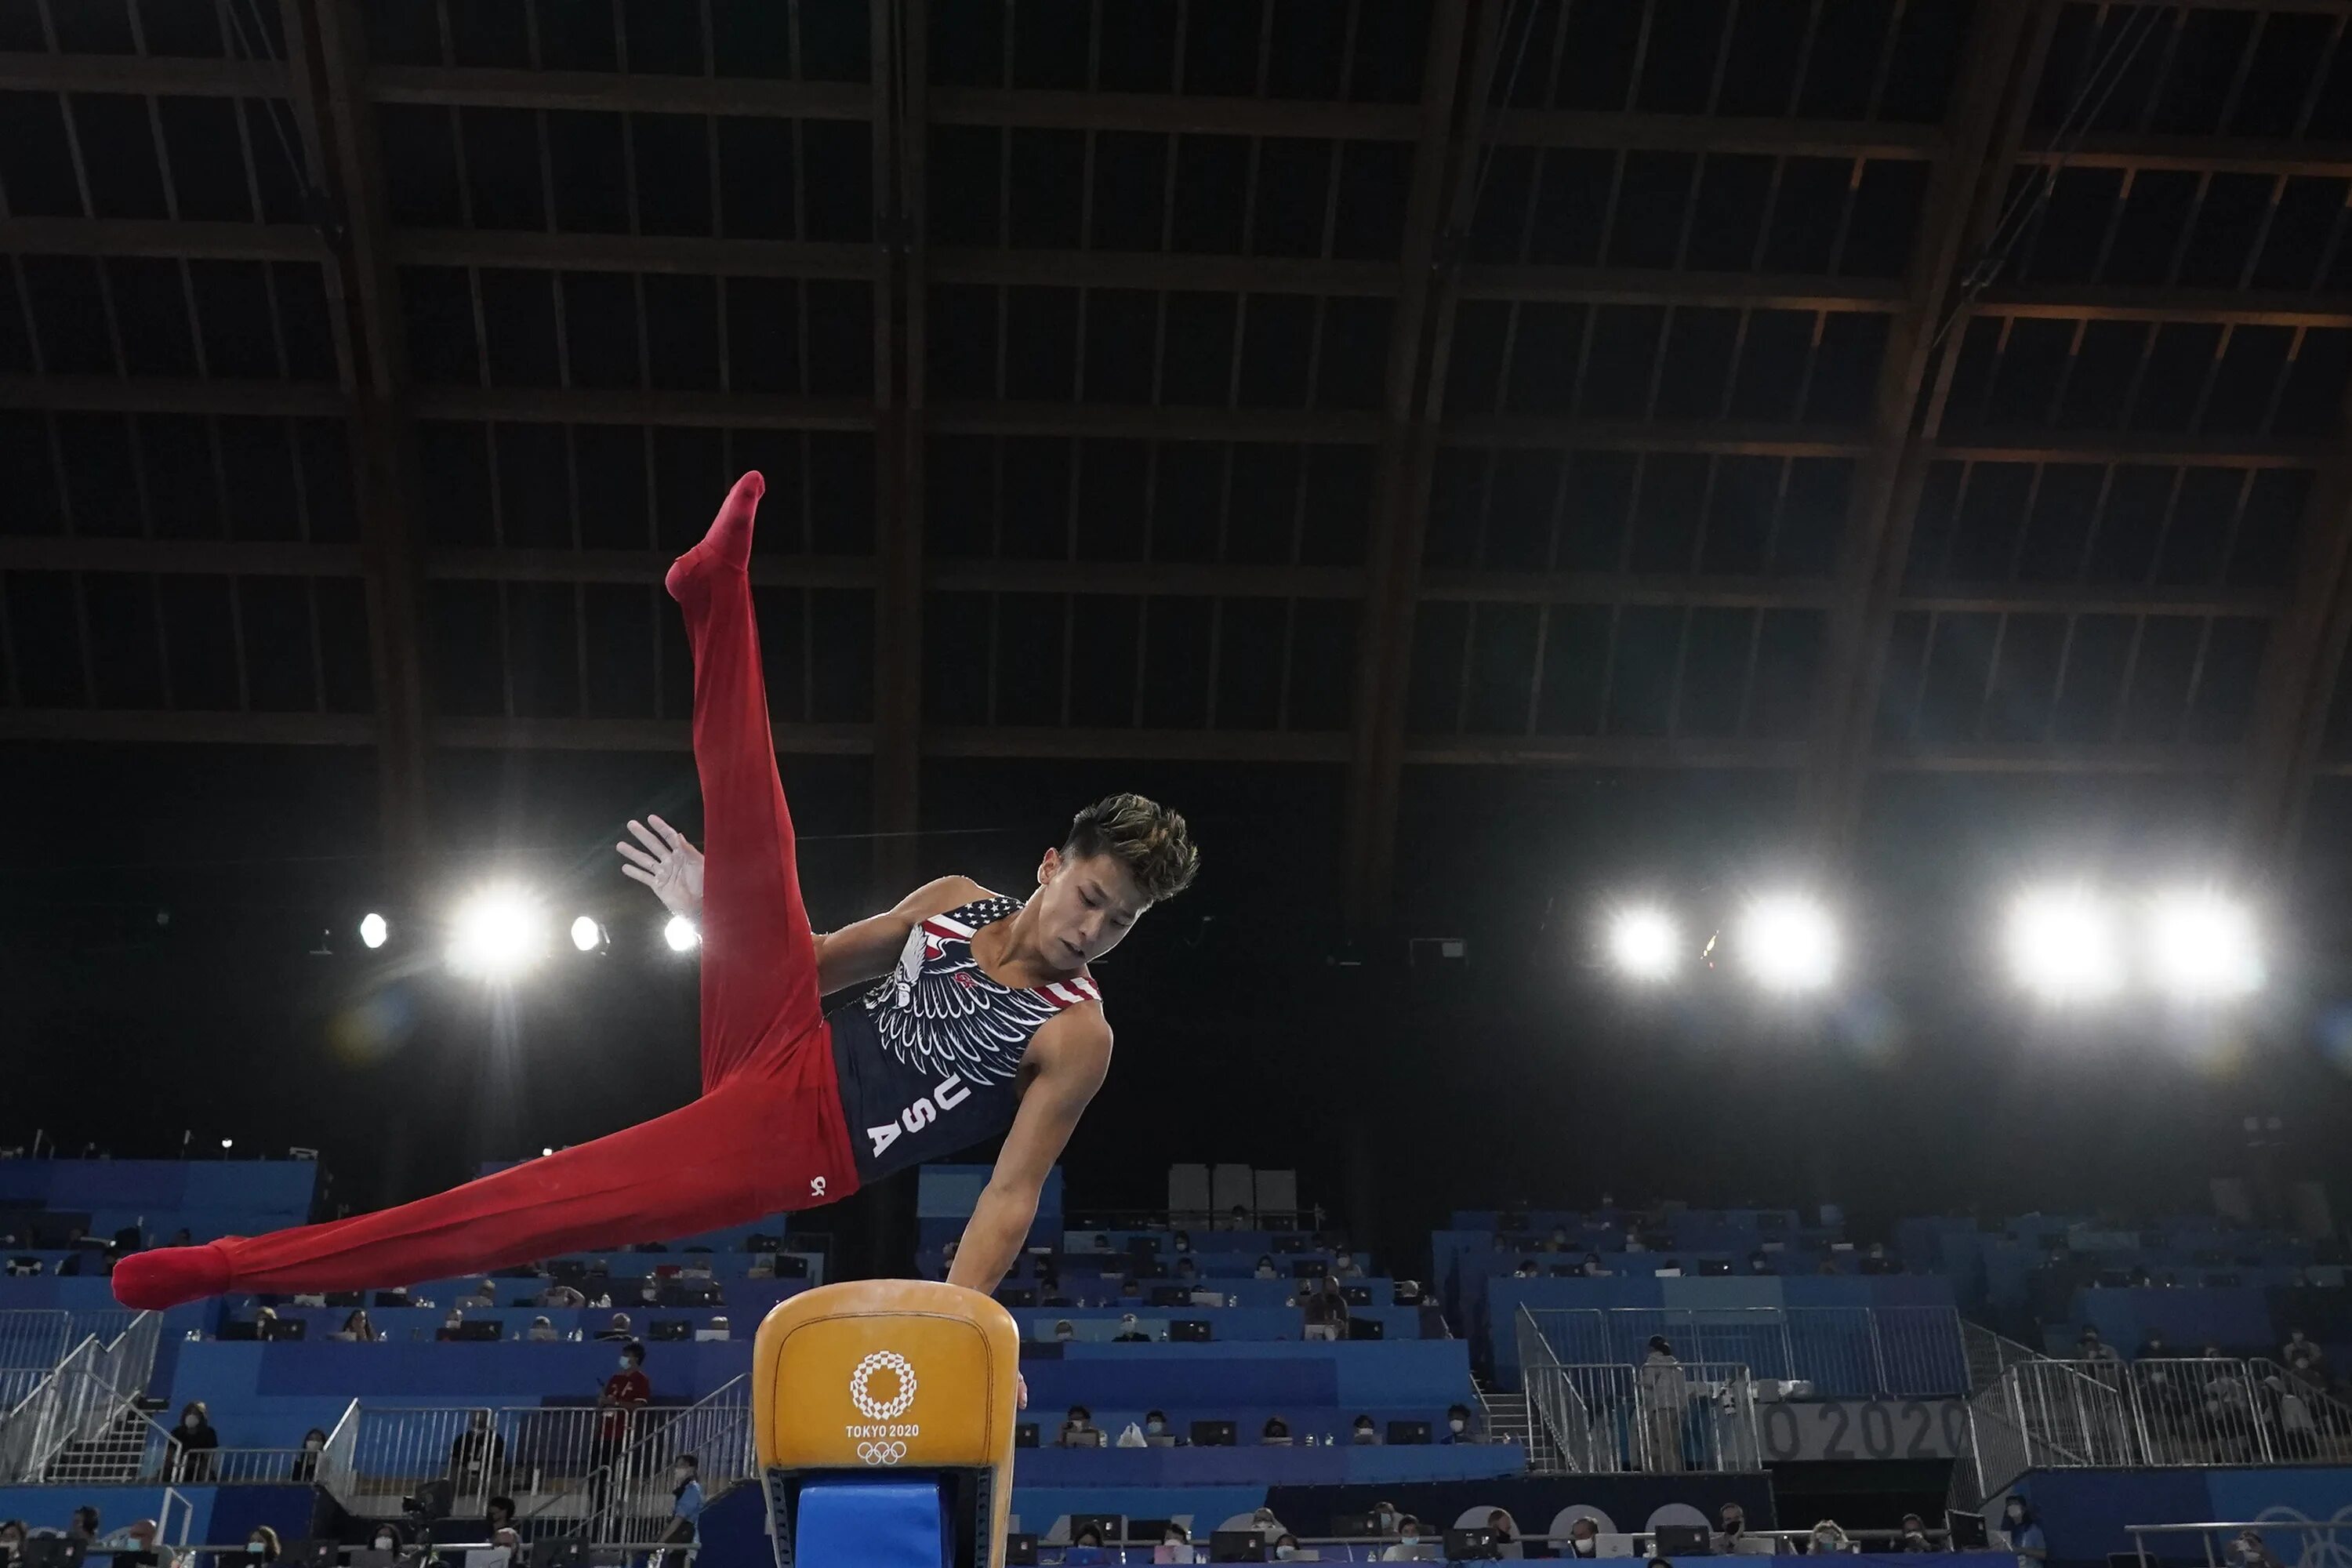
point(626, 1392)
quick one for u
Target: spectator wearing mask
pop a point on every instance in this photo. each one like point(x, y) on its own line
point(1731, 1526)
point(2248, 1551)
point(1593, 1268)
point(484, 1294)
point(685, 1510)
point(1078, 1430)
point(1665, 1397)
point(385, 1539)
point(1829, 1539)
point(500, 1514)
point(194, 1443)
point(83, 1525)
point(1323, 1310)
point(1915, 1535)
point(141, 1535)
point(2090, 1347)
point(627, 1391)
point(12, 1540)
point(451, 1324)
point(1085, 1547)
point(356, 1330)
point(1408, 1547)
point(1348, 1267)
point(306, 1463)
point(543, 1332)
point(2153, 1348)
point(1507, 1535)
point(1457, 1425)
point(559, 1296)
point(1064, 1332)
point(1265, 1269)
point(477, 1453)
point(261, 1544)
point(2024, 1534)
point(1155, 1430)
point(1286, 1547)
point(1365, 1435)
point(1277, 1433)
point(1130, 1331)
point(1176, 1543)
point(618, 1329)
point(1584, 1537)
point(2299, 1354)
point(1180, 1243)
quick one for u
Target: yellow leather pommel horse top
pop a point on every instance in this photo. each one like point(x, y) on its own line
point(879, 1377)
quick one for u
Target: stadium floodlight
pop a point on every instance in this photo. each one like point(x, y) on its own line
point(498, 933)
point(372, 930)
point(680, 934)
point(2202, 947)
point(2063, 944)
point(586, 934)
point(1787, 941)
point(1645, 943)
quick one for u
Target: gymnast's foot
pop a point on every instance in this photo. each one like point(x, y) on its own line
point(168, 1276)
point(727, 545)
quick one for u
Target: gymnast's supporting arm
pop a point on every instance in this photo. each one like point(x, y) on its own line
point(1071, 1053)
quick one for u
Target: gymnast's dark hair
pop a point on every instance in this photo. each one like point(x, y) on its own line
point(1147, 837)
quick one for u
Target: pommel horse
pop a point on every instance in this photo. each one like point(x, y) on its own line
point(882, 1422)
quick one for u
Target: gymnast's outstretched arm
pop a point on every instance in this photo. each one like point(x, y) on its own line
point(1072, 1054)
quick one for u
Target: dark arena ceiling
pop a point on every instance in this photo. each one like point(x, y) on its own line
point(1844, 396)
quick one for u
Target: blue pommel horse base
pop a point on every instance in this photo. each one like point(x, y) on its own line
point(882, 1419)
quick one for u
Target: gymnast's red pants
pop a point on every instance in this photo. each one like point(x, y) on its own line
point(767, 1133)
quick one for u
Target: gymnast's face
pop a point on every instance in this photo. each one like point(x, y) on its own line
point(1084, 907)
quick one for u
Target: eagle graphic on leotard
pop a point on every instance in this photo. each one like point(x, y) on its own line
point(937, 1012)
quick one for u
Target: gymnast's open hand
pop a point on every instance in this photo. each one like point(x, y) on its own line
point(667, 864)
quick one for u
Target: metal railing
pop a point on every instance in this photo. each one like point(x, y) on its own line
point(79, 1402)
point(2207, 1531)
point(2171, 1412)
point(38, 1340)
point(568, 1469)
point(1659, 1417)
point(1846, 1352)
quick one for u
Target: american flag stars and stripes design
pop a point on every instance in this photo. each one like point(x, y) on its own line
point(938, 1013)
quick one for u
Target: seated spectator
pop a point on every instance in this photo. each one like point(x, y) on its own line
point(542, 1330)
point(2247, 1551)
point(1528, 1270)
point(2299, 1354)
point(1592, 1267)
point(1731, 1525)
point(1366, 1434)
point(1085, 1547)
point(1584, 1537)
point(1236, 1219)
point(1180, 1243)
point(1277, 1432)
point(1265, 1269)
point(2024, 1534)
point(717, 1329)
point(1286, 1547)
point(1187, 1272)
point(261, 1544)
point(140, 1535)
point(1507, 1535)
point(306, 1463)
point(1915, 1535)
point(1079, 1431)
point(356, 1330)
point(1384, 1517)
point(2090, 1347)
point(2153, 1348)
point(1064, 1332)
point(618, 1329)
point(83, 1525)
point(1829, 1540)
point(1457, 1425)
point(195, 1442)
point(12, 1538)
point(1155, 1430)
point(1875, 1261)
point(476, 1454)
point(1348, 1267)
point(1130, 1331)
point(1557, 1241)
point(560, 1296)
point(450, 1325)
point(1408, 1547)
point(1268, 1527)
point(499, 1513)
point(1759, 1262)
point(385, 1539)
point(1323, 1310)
point(1176, 1543)
point(485, 1294)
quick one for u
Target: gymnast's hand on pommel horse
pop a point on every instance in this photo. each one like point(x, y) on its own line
point(980, 1018)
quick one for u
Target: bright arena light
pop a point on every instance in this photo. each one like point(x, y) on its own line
point(1645, 943)
point(1788, 942)
point(498, 933)
point(680, 934)
point(373, 930)
point(2062, 945)
point(2203, 947)
point(586, 934)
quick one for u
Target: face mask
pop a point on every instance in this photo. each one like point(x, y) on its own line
point(192, 1422)
point(1731, 1526)
point(1286, 1553)
point(1412, 1540)
point(256, 1546)
point(312, 1444)
point(383, 1544)
point(679, 1478)
point(1457, 1424)
point(1824, 1538)
point(624, 1363)
point(1155, 1426)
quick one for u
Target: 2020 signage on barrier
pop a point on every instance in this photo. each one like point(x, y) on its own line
point(1863, 1429)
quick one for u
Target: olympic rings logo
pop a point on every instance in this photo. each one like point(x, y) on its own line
point(882, 1453)
point(883, 1409)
